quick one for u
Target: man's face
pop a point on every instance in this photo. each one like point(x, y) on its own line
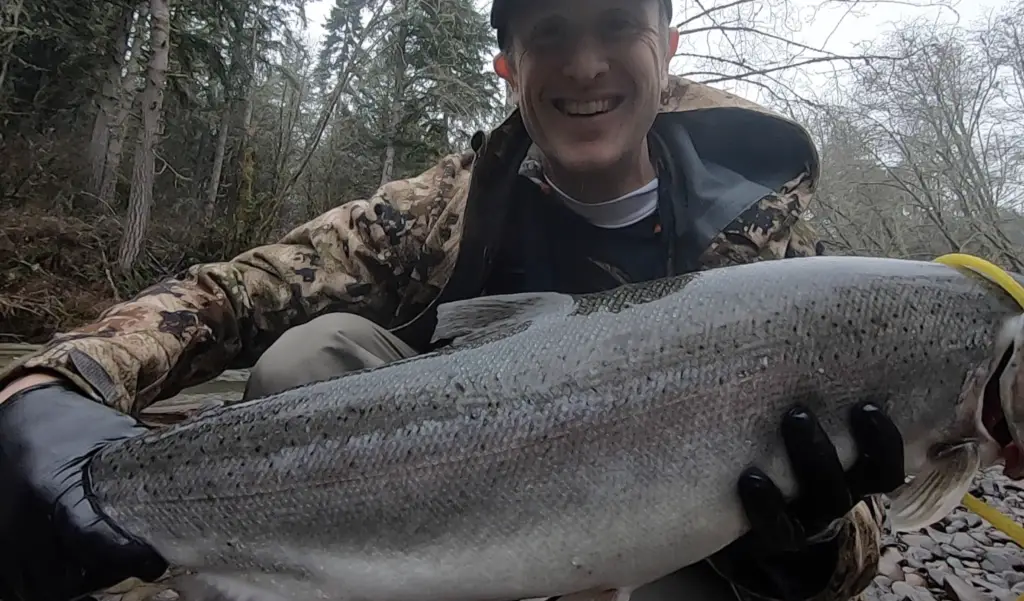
point(588, 75)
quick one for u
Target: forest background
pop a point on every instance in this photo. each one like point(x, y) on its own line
point(140, 136)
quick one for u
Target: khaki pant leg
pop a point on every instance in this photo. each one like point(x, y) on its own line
point(324, 348)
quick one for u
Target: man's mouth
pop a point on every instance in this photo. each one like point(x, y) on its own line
point(587, 108)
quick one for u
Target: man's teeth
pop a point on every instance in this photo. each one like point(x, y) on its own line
point(589, 107)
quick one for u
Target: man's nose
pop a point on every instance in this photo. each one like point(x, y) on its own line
point(586, 60)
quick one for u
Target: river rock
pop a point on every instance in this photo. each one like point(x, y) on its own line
point(913, 541)
point(963, 541)
point(937, 575)
point(889, 565)
point(959, 590)
point(904, 590)
point(917, 557)
point(950, 550)
point(982, 538)
point(997, 562)
point(915, 579)
point(960, 558)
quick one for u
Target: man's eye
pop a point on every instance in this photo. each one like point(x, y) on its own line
point(617, 26)
point(547, 34)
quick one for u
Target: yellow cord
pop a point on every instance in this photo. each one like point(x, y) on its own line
point(983, 268)
point(1002, 279)
point(994, 517)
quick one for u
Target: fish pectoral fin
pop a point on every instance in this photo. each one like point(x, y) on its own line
point(612, 594)
point(475, 316)
point(933, 494)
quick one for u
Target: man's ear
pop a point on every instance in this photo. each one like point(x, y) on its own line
point(673, 44)
point(503, 69)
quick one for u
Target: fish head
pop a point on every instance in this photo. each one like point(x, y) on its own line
point(990, 410)
point(1002, 413)
point(986, 427)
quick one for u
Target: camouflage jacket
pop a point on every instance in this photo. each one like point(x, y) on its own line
point(738, 180)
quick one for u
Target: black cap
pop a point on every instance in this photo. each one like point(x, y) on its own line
point(501, 9)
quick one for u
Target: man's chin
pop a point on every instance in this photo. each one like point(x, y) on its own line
point(585, 158)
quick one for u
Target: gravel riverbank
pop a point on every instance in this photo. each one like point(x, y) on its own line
point(961, 558)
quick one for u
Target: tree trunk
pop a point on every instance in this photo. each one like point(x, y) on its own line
point(108, 98)
point(10, 19)
point(387, 173)
point(125, 99)
point(210, 206)
point(140, 201)
point(231, 95)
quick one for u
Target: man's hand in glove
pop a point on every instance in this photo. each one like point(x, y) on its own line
point(54, 544)
point(791, 551)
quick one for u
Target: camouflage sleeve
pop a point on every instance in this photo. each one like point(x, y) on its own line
point(839, 569)
point(860, 547)
point(361, 257)
point(857, 548)
point(774, 228)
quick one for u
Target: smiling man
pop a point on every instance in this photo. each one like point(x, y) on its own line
point(611, 171)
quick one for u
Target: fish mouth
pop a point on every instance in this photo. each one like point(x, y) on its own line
point(995, 421)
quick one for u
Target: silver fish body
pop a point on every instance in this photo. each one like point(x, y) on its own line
point(574, 443)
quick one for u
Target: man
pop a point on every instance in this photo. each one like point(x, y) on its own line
point(610, 171)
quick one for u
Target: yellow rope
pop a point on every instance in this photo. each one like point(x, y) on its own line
point(994, 517)
point(1002, 279)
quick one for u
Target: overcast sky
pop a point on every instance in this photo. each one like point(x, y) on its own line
point(835, 28)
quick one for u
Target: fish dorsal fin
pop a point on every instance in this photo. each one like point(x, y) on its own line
point(479, 316)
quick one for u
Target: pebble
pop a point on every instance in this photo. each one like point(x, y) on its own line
point(915, 579)
point(889, 565)
point(937, 576)
point(957, 589)
point(997, 561)
point(960, 558)
point(917, 557)
point(903, 590)
point(915, 541)
point(963, 541)
point(982, 538)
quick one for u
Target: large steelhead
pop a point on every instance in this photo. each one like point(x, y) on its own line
point(575, 443)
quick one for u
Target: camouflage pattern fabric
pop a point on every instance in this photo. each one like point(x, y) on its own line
point(386, 258)
point(859, 552)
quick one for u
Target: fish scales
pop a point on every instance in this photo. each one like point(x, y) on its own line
point(589, 441)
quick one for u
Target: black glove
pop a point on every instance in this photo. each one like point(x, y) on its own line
point(54, 544)
point(791, 551)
